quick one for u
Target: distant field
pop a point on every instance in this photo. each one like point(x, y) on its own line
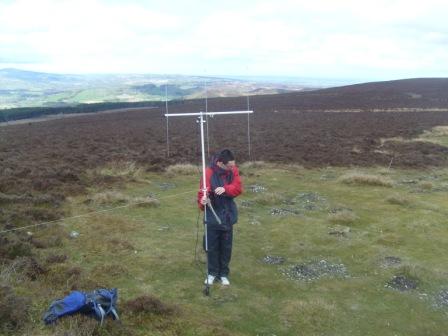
point(32, 89)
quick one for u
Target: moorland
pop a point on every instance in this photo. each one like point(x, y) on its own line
point(342, 225)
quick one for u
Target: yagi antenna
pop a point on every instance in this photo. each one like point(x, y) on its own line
point(201, 116)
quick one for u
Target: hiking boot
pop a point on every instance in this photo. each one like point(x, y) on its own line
point(210, 279)
point(225, 281)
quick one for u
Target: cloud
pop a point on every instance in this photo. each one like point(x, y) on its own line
point(290, 37)
point(85, 35)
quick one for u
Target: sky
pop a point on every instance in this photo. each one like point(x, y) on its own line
point(369, 40)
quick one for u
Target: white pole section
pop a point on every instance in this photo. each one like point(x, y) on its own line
point(204, 182)
point(204, 186)
point(248, 128)
point(206, 110)
point(203, 113)
point(167, 129)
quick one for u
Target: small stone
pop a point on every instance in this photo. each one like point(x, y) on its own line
point(391, 261)
point(339, 209)
point(442, 298)
point(409, 181)
point(402, 283)
point(310, 201)
point(315, 270)
point(247, 204)
point(256, 188)
point(273, 260)
point(283, 212)
point(74, 234)
point(339, 231)
point(328, 176)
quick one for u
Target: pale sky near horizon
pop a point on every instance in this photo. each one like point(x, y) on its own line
point(329, 39)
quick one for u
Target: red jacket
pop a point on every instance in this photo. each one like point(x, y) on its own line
point(233, 189)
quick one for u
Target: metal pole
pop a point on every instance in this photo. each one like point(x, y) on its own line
point(204, 193)
point(208, 113)
point(167, 129)
point(201, 121)
point(206, 117)
point(248, 128)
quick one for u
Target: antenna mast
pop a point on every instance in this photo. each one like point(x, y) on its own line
point(248, 128)
point(167, 126)
point(206, 117)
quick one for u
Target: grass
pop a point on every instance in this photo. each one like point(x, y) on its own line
point(399, 199)
point(358, 178)
point(182, 169)
point(120, 169)
point(342, 217)
point(269, 198)
point(437, 135)
point(148, 253)
point(115, 198)
point(109, 198)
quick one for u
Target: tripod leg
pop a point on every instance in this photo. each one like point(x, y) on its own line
point(207, 285)
point(214, 213)
point(207, 290)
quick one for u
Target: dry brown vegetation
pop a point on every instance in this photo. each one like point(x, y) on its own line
point(343, 217)
point(398, 200)
point(43, 163)
point(269, 198)
point(182, 169)
point(116, 198)
point(366, 179)
point(13, 310)
point(148, 304)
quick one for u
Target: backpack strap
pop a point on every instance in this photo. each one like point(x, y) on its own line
point(99, 311)
point(115, 314)
point(103, 303)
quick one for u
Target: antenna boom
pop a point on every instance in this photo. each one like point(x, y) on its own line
point(206, 113)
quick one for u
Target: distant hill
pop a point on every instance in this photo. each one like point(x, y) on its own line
point(19, 88)
point(389, 96)
point(34, 77)
point(431, 86)
point(397, 95)
point(418, 93)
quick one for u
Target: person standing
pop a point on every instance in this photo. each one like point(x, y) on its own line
point(223, 184)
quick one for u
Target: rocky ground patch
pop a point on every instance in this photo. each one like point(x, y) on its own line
point(314, 270)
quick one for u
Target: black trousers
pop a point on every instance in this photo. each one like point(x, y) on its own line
point(219, 244)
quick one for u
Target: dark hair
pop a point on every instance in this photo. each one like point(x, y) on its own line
point(225, 156)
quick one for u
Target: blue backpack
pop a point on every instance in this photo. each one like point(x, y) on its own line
point(99, 303)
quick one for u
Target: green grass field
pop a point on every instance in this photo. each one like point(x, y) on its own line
point(365, 233)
